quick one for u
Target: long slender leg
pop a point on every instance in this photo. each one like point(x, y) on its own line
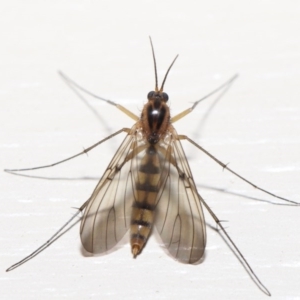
point(236, 249)
point(224, 166)
point(78, 94)
point(206, 114)
point(189, 110)
point(52, 239)
point(127, 130)
point(120, 107)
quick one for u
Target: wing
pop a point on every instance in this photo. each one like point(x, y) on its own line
point(107, 216)
point(180, 220)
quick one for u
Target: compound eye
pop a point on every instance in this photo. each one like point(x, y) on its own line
point(165, 97)
point(150, 95)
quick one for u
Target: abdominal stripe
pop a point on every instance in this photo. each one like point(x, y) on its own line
point(147, 187)
point(149, 168)
point(144, 205)
point(141, 223)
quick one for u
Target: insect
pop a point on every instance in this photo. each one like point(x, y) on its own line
point(149, 183)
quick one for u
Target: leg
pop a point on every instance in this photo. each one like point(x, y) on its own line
point(236, 250)
point(189, 110)
point(224, 166)
point(120, 107)
point(69, 158)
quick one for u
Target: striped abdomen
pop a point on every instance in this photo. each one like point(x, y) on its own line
point(147, 187)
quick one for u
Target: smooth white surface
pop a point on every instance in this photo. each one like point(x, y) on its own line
point(104, 46)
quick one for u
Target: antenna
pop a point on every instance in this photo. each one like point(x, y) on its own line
point(154, 60)
point(155, 69)
point(162, 85)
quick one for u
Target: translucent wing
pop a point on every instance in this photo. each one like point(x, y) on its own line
point(107, 216)
point(179, 216)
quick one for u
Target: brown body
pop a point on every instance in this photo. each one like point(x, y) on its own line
point(147, 184)
point(155, 120)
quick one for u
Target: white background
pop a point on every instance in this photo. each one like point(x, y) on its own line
point(104, 46)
